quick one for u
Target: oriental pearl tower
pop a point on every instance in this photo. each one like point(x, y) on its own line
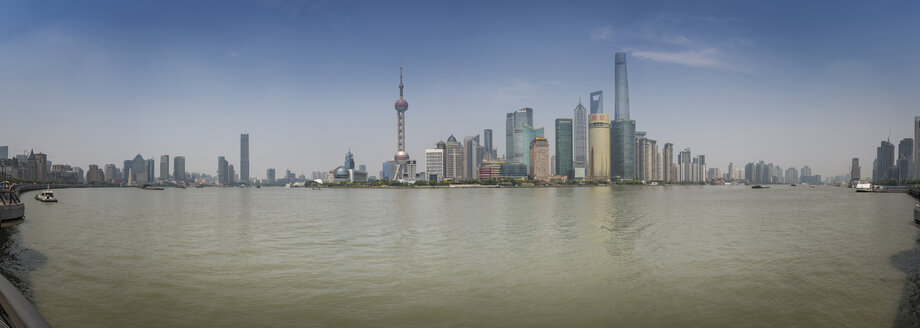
point(401, 157)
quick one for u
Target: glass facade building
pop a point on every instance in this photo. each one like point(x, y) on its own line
point(564, 147)
point(580, 141)
point(623, 149)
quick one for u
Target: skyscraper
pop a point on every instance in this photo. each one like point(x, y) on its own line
point(563, 158)
point(916, 164)
point(514, 134)
point(349, 160)
point(792, 175)
point(454, 159)
point(905, 160)
point(472, 156)
point(109, 172)
point(623, 129)
point(244, 157)
point(4, 152)
point(487, 144)
point(179, 169)
point(139, 170)
point(529, 134)
point(164, 168)
point(539, 159)
point(580, 141)
point(127, 171)
point(402, 157)
point(884, 162)
point(599, 147)
point(685, 166)
point(667, 159)
point(223, 170)
point(597, 102)
point(854, 170)
point(270, 175)
point(434, 164)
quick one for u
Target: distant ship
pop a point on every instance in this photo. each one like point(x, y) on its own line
point(46, 196)
point(863, 186)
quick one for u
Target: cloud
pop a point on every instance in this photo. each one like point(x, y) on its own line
point(698, 58)
point(602, 33)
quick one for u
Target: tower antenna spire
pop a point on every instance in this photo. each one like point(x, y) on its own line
point(400, 79)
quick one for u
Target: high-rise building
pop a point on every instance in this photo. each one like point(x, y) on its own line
point(41, 166)
point(646, 158)
point(685, 166)
point(349, 160)
point(4, 152)
point(109, 172)
point(270, 175)
point(792, 175)
point(164, 168)
point(487, 144)
point(223, 171)
point(622, 87)
point(517, 146)
point(916, 163)
point(443, 147)
point(244, 157)
point(599, 147)
point(151, 166)
point(231, 173)
point(529, 134)
point(454, 159)
point(402, 157)
point(806, 171)
point(94, 174)
point(563, 159)
point(855, 170)
point(597, 102)
point(139, 170)
point(127, 172)
point(580, 141)
point(884, 162)
point(179, 169)
point(667, 160)
point(539, 159)
point(905, 161)
point(623, 149)
point(472, 156)
point(434, 164)
point(702, 173)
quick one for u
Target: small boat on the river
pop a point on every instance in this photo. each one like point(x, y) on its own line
point(46, 196)
point(758, 187)
point(12, 210)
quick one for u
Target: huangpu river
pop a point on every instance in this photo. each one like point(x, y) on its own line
point(625, 256)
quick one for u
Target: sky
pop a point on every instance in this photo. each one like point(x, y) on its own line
point(794, 83)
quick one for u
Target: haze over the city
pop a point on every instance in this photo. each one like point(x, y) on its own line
point(793, 83)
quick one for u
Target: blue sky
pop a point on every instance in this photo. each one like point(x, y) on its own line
point(794, 83)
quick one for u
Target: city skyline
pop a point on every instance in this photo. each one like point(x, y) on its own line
point(738, 96)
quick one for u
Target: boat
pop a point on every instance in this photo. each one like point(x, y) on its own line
point(151, 187)
point(863, 187)
point(792, 185)
point(758, 187)
point(917, 214)
point(12, 210)
point(46, 196)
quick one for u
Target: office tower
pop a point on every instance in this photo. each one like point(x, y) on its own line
point(517, 144)
point(231, 174)
point(443, 147)
point(599, 146)
point(915, 168)
point(667, 159)
point(552, 165)
point(563, 159)
point(646, 158)
point(454, 159)
point(151, 166)
point(685, 165)
point(94, 175)
point(179, 169)
point(884, 162)
point(905, 159)
point(244, 157)
point(528, 136)
point(580, 141)
point(623, 149)
point(792, 175)
point(597, 102)
point(402, 157)
point(270, 175)
point(855, 170)
point(81, 178)
point(731, 171)
point(472, 156)
point(434, 164)
point(701, 173)
point(349, 160)
point(806, 171)
point(362, 168)
point(109, 172)
point(489, 152)
point(622, 87)
point(539, 159)
point(4, 152)
point(164, 168)
point(41, 167)
point(223, 171)
point(139, 170)
point(127, 172)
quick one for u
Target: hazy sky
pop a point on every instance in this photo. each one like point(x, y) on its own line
point(794, 83)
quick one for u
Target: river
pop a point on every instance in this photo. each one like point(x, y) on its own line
point(703, 256)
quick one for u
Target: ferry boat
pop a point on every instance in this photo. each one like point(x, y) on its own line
point(12, 210)
point(863, 187)
point(759, 187)
point(46, 196)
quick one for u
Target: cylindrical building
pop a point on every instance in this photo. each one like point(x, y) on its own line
point(599, 146)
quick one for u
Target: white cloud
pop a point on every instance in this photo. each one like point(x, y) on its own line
point(602, 33)
point(698, 58)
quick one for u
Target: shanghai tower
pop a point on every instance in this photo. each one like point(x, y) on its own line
point(623, 130)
